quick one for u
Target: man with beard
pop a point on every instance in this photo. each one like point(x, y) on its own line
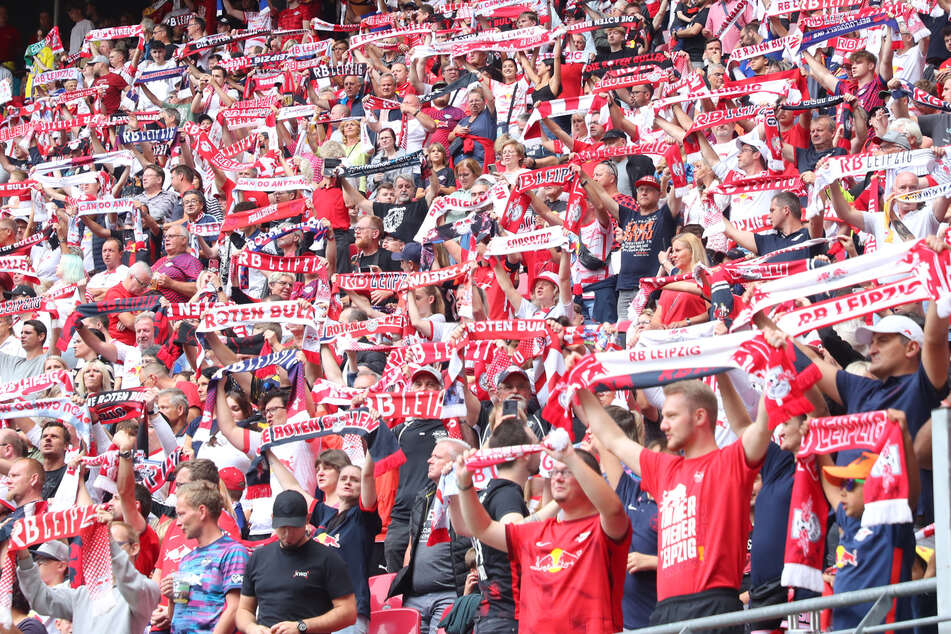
point(368, 232)
point(402, 219)
point(440, 118)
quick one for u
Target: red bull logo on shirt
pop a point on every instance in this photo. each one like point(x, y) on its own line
point(556, 561)
point(328, 540)
point(843, 557)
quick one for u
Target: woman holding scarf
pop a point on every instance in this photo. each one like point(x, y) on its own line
point(386, 150)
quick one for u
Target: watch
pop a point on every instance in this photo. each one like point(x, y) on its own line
point(125, 454)
point(301, 626)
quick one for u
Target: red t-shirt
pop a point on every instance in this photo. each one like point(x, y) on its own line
point(111, 99)
point(796, 136)
point(677, 306)
point(567, 576)
point(328, 203)
point(704, 518)
point(126, 336)
point(570, 80)
point(149, 546)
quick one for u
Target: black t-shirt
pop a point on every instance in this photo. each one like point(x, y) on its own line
point(402, 221)
point(381, 258)
point(417, 438)
point(693, 46)
point(292, 585)
point(500, 498)
point(51, 483)
point(445, 176)
point(642, 238)
point(352, 533)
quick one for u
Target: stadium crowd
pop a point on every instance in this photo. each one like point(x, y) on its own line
point(574, 316)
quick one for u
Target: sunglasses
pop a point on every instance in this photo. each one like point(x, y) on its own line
point(849, 485)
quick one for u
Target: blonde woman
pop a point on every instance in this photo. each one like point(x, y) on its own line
point(680, 308)
point(53, 363)
point(355, 152)
point(94, 377)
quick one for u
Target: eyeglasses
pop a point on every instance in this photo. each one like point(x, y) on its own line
point(359, 229)
point(140, 282)
point(174, 235)
point(561, 473)
point(270, 411)
point(849, 485)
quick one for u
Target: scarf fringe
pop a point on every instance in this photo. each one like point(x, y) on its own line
point(886, 512)
point(802, 576)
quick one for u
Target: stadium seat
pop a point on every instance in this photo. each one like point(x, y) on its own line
point(379, 587)
point(395, 621)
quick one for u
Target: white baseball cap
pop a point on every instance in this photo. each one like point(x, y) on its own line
point(898, 324)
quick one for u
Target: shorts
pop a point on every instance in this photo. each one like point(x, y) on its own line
point(697, 605)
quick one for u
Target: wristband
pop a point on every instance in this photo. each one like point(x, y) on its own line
point(462, 488)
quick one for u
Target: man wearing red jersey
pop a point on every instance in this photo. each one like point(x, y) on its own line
point(567, 573)
point(703, 497)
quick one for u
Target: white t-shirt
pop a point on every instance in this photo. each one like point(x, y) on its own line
point(160, 89)
point(598, 239)
point(909, 65)
point(130, 358)
point(515, 94)
point(106, 280)
point(921, 222)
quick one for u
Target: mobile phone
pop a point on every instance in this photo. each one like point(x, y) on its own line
point(510, 408)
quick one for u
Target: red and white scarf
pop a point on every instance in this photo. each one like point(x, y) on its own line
point(886, 488)
point(77, 521)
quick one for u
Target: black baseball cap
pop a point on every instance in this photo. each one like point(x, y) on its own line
point(411, 252)
point(613, 133)
point(290, 509)
point(20, 291)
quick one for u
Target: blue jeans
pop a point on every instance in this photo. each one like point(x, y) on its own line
point(431, 607)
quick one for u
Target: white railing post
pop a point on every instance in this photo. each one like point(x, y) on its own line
point(941, 463)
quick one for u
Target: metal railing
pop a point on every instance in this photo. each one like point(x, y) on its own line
point(880, 597)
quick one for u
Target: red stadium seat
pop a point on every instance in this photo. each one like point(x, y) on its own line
point(379, 587)
point(395, 621)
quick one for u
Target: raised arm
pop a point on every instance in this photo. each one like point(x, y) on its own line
point(745, 239)
point(934, 352)
point(825, 78)
point(843, 209)
point(885, 56)
point(478, 522)
point(594, 416)
point(353, 198)
point(505, 283)
point(286, 478)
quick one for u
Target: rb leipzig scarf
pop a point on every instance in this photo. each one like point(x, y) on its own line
point(886, 488)
point(117, 405)
point(267, 262)
point(261, 215)
point(79, 521)
point(34, 384)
